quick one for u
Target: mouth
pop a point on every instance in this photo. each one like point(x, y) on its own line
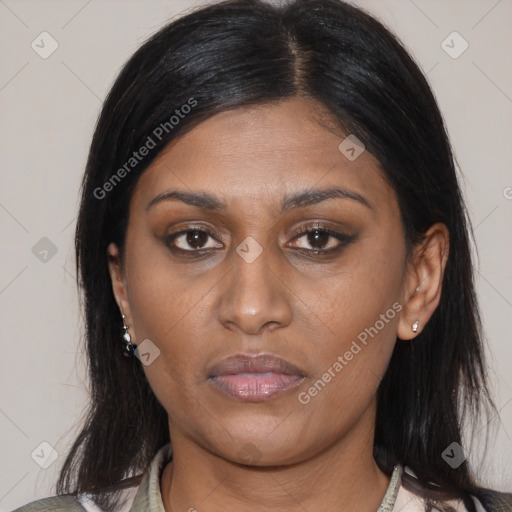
point(254, 378)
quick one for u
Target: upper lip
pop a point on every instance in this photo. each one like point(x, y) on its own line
point(261, 363)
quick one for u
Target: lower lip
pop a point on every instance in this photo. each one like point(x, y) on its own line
point(255, 387)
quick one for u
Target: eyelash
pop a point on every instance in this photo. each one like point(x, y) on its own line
point(343, 238)
point(298, 233)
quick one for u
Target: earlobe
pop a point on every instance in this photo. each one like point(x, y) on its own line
point(117, 279)
point(423, 284)
point(121, 296)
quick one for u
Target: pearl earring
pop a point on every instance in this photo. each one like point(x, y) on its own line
point(415, 326)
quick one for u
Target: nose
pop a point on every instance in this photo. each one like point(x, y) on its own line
point(255, 296)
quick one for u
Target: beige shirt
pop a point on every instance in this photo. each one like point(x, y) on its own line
point(147, 496)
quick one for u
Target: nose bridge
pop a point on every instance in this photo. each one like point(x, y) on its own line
point(255, 297)
point(252, 269)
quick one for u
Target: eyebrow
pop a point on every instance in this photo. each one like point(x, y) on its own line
point(299, 199)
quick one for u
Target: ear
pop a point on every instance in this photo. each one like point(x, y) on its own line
point(423, 283)
point(116, 271)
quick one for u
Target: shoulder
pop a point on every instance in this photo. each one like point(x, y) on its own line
point(146, 488)
point(84, 503)
point(66, 503)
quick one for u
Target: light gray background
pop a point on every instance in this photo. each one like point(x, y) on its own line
point(48, 111)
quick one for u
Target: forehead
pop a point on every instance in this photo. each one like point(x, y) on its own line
point(261, 151)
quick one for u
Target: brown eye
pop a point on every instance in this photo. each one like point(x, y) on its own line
point(319, 240)
point(192, 240)
point(196, 239)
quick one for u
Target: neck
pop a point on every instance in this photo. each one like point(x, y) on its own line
point(343, 476)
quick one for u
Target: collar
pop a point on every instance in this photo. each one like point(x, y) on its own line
point(149, 497)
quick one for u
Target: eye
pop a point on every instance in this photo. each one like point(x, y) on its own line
point(192, 240)
point(320, 240)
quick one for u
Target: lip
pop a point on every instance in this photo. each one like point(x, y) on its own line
point(250, 378)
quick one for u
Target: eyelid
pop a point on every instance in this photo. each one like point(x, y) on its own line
point(318, 225)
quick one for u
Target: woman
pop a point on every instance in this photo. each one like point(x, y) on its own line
point(271, 230)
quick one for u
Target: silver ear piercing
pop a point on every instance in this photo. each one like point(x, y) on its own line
point(415, 326)
point(129, 347)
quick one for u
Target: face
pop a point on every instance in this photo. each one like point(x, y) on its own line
point(263, 263)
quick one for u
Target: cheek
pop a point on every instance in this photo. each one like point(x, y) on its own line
point(349, 367)
point(167, 308)
point(345, 302)
point(357, 320)
point(177, 374)
point(163, 296)
point(173, 318)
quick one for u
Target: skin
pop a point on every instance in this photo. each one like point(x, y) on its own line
point(303, 307)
